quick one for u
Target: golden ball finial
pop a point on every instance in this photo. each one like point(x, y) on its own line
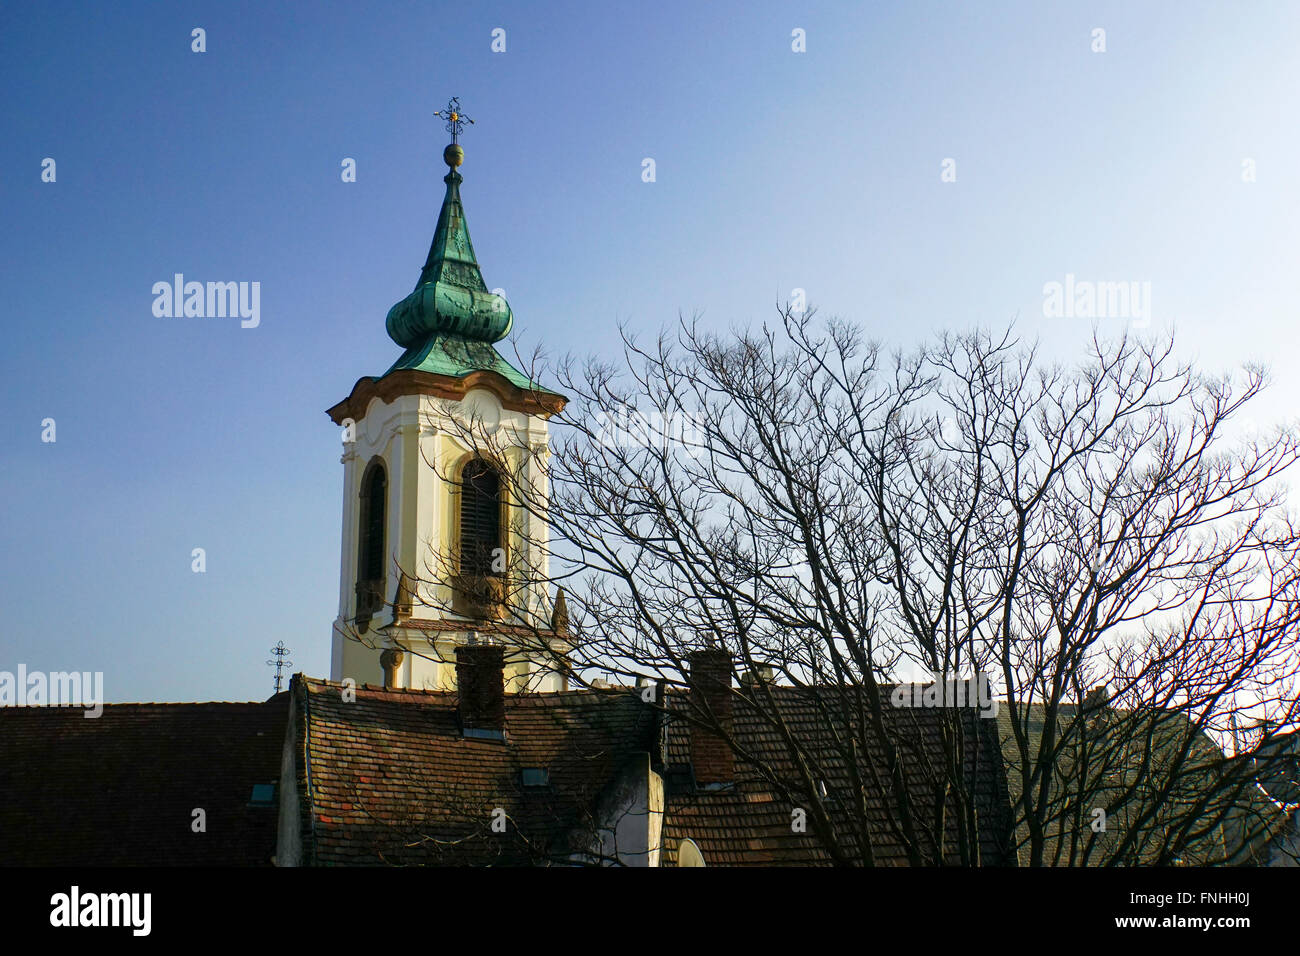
point(453, 155)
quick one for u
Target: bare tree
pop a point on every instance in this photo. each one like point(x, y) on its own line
point(1093, 538)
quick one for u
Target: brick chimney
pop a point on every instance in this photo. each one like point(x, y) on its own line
point(709, 682)
point(481, 686)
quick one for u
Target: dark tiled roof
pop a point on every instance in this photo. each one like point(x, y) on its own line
point(393, 781)
point(750, 823)
point(1192, 792)
point(120, 789)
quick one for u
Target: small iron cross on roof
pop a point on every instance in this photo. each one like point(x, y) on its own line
point(456, 120)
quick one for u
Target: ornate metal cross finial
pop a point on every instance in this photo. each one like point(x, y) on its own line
point(280, 652)
point(456, 120)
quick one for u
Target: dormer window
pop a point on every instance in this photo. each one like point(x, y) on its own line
point(536, 777)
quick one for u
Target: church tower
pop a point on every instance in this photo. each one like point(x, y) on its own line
point(435, 553)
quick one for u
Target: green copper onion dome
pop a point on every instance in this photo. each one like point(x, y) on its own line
point(451, 297)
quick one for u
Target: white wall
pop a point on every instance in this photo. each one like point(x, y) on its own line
point(420, 442)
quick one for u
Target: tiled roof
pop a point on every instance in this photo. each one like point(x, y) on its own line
point(392, 780)
point(751, 822)
point(120, 789)
point(1181, 764)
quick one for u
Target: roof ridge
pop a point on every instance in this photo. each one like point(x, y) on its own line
point(147, 703)
point(325, 683)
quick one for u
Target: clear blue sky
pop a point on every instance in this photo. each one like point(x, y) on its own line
point(775, 170)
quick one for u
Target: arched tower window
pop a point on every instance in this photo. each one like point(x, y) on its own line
point(480, 519)
point(370, 540)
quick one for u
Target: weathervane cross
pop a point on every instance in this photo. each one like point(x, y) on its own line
point(280, 652)
point(456, 120)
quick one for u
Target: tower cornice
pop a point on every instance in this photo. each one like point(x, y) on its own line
point(448, 387)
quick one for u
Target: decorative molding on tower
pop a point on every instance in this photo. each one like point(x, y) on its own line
point(560, 615)
point(446, 387)
point(403, 600)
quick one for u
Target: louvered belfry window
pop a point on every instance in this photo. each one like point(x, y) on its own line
point(480, 518)
point(374, 498)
